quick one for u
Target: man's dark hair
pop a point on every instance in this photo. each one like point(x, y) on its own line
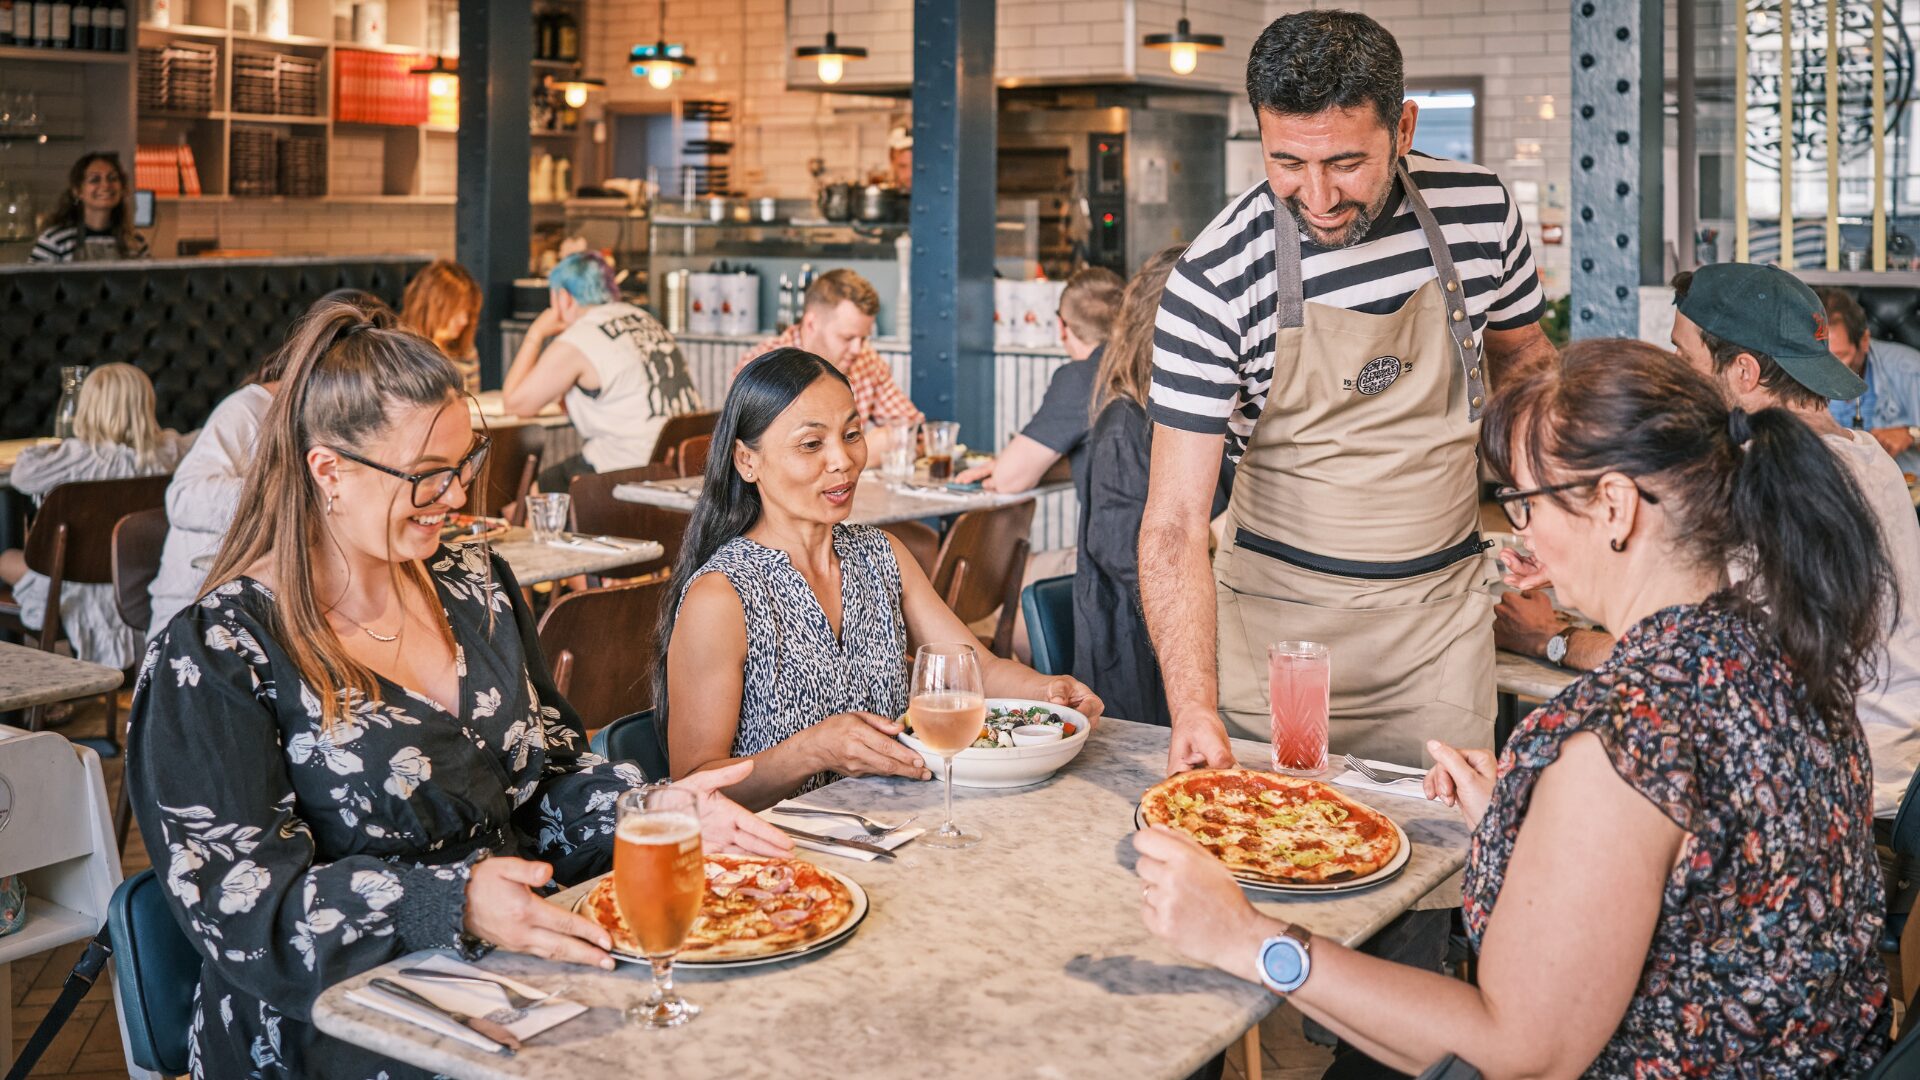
point(1773, 378)
point(1313, 61)
point(1842, 308)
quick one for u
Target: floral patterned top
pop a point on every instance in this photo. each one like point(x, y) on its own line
point(295, 856)
point(1763, 961)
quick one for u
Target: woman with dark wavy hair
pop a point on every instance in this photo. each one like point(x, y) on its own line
point(94, 220)
point(786, 632)
point(1672, 870)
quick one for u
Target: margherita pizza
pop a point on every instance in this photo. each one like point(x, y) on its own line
point(754, 907)
point(1274, 828)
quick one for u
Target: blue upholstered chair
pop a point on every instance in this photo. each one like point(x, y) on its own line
point(156, 970)
point(1048, 607)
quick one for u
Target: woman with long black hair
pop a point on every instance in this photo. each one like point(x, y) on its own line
point(787, 630)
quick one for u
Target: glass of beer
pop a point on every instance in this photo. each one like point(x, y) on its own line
point(659, 879)
point(941, 436)
point(949, 710)
point(1299, 684)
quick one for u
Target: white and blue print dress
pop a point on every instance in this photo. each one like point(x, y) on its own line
point(798, 673)
point(296, 856)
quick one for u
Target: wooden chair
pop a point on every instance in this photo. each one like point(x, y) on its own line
point(921, 539)
point(678, 429)
point(72, 541)
point(138, 540)
point(599, 643)
point(507, 476)
point(692, 455)
point(597, 513)
point(981, 565)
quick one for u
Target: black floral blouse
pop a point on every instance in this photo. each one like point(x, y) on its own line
point(1763, 962)
point(297, 856)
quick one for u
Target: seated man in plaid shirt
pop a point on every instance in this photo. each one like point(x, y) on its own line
point(835, 323)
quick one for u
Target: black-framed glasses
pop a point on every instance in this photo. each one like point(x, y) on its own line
point(1518, 505)
point(434, 482)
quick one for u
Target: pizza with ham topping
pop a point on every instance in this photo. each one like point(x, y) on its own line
point(754, 907)
point(1274, 828)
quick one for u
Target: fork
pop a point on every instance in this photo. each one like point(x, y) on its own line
point(873, 828)
point(1376, 775)
point(516, 1001)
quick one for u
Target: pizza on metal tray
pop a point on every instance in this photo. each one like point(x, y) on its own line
point(753, 907)
point(1274, 828)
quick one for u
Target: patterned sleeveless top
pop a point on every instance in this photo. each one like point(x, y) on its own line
point(1763, 962)
point(798, 673)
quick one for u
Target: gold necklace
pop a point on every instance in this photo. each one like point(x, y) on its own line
point(384, 639)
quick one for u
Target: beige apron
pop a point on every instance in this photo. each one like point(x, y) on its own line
point(1354, 513)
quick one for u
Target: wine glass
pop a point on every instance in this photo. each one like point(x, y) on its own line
point(948, 708)
point(659, 879)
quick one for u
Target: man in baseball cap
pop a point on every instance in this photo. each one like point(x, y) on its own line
point(1761, 335)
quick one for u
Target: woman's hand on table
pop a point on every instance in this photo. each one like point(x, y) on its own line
point(863, 744)
point(502, 909)
point(725, 825)
point(1076, 695)
point(1523, 572)
point(1463, 779)
point(1524, 622)
point(1190, 900)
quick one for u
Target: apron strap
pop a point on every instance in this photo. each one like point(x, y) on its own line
point(1290, 304)
point(1370, 571)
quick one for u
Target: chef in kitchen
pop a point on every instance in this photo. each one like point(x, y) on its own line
point(1336, 330)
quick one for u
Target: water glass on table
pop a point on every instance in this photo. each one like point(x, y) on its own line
point(896, 462)
point(948, 709)
point(547, 515)
point(942, 436)
point(1300, 687)
point(659, 879)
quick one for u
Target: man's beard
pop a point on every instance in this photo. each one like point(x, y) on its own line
point(1355, 231)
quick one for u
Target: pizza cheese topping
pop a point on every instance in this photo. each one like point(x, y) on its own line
point(1274, 827)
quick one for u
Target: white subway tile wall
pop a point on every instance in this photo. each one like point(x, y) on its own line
point(308, 228)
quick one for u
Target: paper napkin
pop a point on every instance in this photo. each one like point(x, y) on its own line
point(468, 1000)
point(1409, 788)
point(841, 828)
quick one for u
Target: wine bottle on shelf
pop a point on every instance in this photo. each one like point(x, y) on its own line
point(23, 23)
point(42, 24)
point(116, 24)
point(82, 37)
point(566, 38)
point(6, 22)
point(61, 35)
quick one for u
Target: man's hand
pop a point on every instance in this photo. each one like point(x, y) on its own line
point(976, 474)
point(1524, 622)
point(1199, 742)
point(546, 325)
point(1894, 440)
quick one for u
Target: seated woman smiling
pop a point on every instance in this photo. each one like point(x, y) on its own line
point(787, 637)
point(349, 748)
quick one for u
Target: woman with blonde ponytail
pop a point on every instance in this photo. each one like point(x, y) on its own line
point(395, 770)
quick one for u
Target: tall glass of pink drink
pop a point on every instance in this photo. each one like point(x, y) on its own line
point(1299, 681)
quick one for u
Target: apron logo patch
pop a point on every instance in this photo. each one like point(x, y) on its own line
point(1380, 373)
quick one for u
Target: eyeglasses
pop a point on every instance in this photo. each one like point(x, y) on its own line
point(434, 482)
point(1519, 509)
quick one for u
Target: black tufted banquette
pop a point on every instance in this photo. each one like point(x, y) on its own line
point(198, 327)
point(1893, 313)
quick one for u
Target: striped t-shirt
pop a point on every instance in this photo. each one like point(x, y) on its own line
point(1213, 338)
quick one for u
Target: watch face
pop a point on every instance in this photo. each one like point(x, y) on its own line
point(1285, 963)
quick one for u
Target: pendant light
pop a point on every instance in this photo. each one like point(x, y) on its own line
point(662, 63)
point(832, 56)
point(1183, 46)
point(574, 91)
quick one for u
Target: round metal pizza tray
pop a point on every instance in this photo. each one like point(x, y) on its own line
point(1384, 874)
point(854, 918)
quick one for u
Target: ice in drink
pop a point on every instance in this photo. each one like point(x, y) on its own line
point(948, 723)
point(1299, 684)
point(659, 879)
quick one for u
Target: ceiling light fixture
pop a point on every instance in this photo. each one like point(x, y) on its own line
point(660, 63)
point(1183, 46)
point(574, 91)
point(833, 56)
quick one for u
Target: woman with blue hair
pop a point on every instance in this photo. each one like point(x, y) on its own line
point(619, 371)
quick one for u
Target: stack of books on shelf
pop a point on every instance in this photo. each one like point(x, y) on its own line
point(166, 170)
point(276, 84)
point(255, 166)
point(178, 76)
point(377, 88)
point(303, 166)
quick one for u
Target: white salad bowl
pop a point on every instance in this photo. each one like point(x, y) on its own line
point(1009, 766)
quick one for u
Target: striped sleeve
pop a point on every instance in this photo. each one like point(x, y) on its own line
point(55, 245)
point(1519, 301)
point(1197, 357)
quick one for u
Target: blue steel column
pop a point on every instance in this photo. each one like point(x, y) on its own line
point(1617, 141)
point(953, 214)
point(492, 221)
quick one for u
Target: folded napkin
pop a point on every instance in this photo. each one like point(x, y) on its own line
point(1409, 788)
point(838, 827)
point(466, 999)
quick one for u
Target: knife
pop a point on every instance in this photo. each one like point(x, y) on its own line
point(504, 1042)
point(834, 841)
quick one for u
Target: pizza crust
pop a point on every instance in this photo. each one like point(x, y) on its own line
point(742, 916)
point(1274, 828)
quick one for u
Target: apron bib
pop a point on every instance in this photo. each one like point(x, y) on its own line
point(1354, 512)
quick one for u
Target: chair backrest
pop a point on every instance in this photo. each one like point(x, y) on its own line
point(155, 973)
point(921, 541)
point(693, 455)
point(678, 429)
point(89, 509)
point(600, 645)
point(1447, 1068)
point(1048, 606)
point(981, 565)
point(137, 542)
point(597, 513)
point(634, 738)
point(501, 476)
point(1903, 1061)
point(1906, 823)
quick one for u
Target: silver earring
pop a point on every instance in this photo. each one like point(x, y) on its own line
point(329, 504)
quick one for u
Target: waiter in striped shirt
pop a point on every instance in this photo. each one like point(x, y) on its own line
point(1335, 330)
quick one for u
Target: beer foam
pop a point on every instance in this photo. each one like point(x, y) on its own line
point(659, 829)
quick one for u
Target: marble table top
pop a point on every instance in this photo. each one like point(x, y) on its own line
point(30, 677)
point(497, 416)
point(1528, 677)
point(533, 563)
point(1023, 956)
point(875, 501)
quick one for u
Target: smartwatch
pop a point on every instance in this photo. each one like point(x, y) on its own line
point(1913, 432)
point(1285, 960)
point(1557, 646)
